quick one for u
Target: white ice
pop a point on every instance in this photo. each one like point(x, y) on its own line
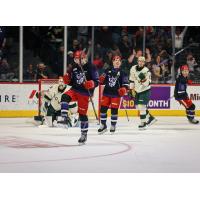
point(169, 145)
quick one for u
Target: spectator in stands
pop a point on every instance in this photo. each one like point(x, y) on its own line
point(82, 34)
point(104, 39)
point(156, 70)
point(155, 74)
point(139, 38)
point(179, 37)
point(2, 37)
point(30, 73)
point(165, 74)
point(55, 34)
point(191, 62)
point(125, 47)
point(160, 70)
point(116, 34)
point(2, 40)
point(98, 62)
point(57, 66)
point(133, 58)
point(108, 59)
point(42, 72)
point(70, 57)
point(115, 50)
point(74, 46)
point(6, 73)
point(193, 67)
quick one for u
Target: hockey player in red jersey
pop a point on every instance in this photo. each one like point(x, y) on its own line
point(83, 78)
point(181, 95)
point(116, 85)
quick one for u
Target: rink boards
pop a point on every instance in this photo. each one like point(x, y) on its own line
point(19, 100)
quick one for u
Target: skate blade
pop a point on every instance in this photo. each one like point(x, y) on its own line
point(81, 143)
point(43, 126)
point(194, 122)
point(102, 132)
point(112, 132)
point(142, 129)
point(152, 122)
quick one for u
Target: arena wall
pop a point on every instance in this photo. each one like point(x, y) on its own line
point(19, 100)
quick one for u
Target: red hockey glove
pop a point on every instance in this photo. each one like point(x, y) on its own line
point(89, 84)
point(101, 79)
point(67, 78)
point(189, 82)
point(122, 91)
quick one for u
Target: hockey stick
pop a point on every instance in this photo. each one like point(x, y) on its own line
point(122, 97)
point(90, 96)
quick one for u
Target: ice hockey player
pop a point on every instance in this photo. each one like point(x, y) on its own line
point(181, 95)
point(83, 78)
point(140, 80)
point(116, 85)
point(51, 104)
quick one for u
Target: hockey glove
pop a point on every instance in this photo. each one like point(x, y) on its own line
point(89, 84)
point(101, 79)
point(122, 91)
point(189, 82)
point(141, 76)
point(67, 78)
point(132, 93)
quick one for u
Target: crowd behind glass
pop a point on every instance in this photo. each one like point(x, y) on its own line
point(43, 50)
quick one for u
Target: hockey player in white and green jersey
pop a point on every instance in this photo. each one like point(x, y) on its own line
point(51, 107)
point(140, 87)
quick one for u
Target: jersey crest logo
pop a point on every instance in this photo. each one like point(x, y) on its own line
point(79, 78)
point(112, 81)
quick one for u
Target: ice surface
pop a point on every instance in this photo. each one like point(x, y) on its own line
point(169, 145)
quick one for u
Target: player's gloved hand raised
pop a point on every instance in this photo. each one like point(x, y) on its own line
point(102, 79)
point(67, 78)
point(122, 91)
point(89, 84)
point(132, 93)
point(189, 82)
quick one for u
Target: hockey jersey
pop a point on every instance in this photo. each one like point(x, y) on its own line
point(115, 78)
point(78, 77)
point(180, 92)
point(140, 85)
point(53, 96)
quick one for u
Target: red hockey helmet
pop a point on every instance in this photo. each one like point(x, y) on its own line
point(184, 67)
point(116, 57)
point(79, 54)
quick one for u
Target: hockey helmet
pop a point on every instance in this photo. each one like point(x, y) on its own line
point(184, 67)
point(79, 54)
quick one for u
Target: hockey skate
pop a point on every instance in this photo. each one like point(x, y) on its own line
point(38, 120)
point(64, 122)
point(112, 129)
point(151, 121)
point(83, 138)
point(102, 129)
point(193, 121)
point(142, 126)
